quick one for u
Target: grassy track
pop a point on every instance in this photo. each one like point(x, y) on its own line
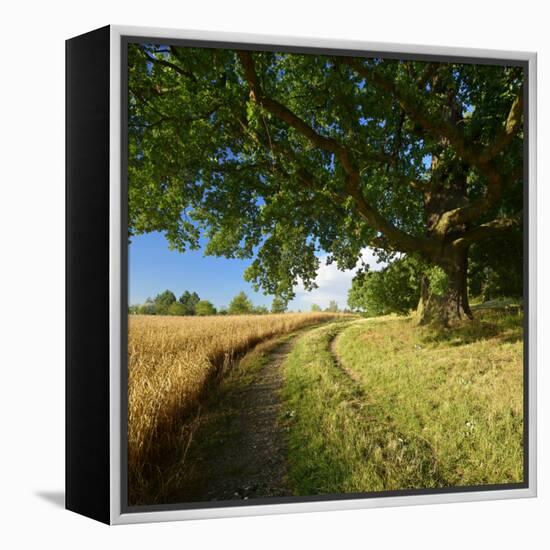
point(403, 407)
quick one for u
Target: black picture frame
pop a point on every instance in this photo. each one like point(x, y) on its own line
point(96, 275)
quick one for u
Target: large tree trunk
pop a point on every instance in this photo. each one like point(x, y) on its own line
point(452, 305)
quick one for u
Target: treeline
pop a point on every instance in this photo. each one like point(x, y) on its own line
point(190, 303)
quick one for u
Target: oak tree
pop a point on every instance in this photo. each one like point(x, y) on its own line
point(276, 156)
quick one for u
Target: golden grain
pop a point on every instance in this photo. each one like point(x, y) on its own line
point(171, 361)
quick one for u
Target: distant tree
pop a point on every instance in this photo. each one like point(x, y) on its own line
point(163, 301)
point(165, 298)
point(394, 289)
point(278, 305)
point(332, 307)
point(148, 307)
point(189, 301)
point(222, 310)
point(204, 307)
point(315, 307)
point(260, 310)
point(176, 309)
point(240, 305)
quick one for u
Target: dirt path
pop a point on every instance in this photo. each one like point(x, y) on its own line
point(245, 454)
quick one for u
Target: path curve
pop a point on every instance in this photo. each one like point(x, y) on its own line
point(350, 373)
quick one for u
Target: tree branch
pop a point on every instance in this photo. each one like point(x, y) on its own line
point(402, 240)
point(511, 128)
point(162, 118)
point(474, 210)
point(441, 128)
point(169, 64)
point(286, 115)
point(496, 228)
point(429, 71)
point(438, 127)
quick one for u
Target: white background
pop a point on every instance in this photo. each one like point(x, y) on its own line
point(32, 272)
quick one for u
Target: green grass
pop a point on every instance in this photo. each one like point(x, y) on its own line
point(425, 408)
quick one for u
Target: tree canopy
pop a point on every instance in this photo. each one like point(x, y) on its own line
point(204, 307)
point(278, 305)
point(165, 298)
point(189, 301)
point(240, 304)
point(276, 156)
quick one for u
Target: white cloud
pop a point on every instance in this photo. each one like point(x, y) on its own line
point(332, 283)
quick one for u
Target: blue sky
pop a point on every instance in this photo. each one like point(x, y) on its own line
point(153, 267)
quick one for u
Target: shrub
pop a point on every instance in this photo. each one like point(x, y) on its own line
point(240, 305)
point(176, 309)
point(394, 289)
point(204, 307)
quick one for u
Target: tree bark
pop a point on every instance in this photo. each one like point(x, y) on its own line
point(452, 305)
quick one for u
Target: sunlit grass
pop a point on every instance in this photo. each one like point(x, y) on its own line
point(425, 408)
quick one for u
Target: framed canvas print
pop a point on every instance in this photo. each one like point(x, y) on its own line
point(300, 274)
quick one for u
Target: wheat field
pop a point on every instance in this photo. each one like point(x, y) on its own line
point(171, 361)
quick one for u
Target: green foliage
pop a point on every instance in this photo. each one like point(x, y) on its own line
point(165, 298)
point(496, 268)
point(260, 310)
point(189, 302)
point(332, 307)
point(176, 309)
point(148, 308)
point(240, 305)
point(204, 307)
point(315, 307)
point(278, 305)
point(165, 304)
point(209, 159)
point(437, 280)
point(394, 289)
point(206, 160)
